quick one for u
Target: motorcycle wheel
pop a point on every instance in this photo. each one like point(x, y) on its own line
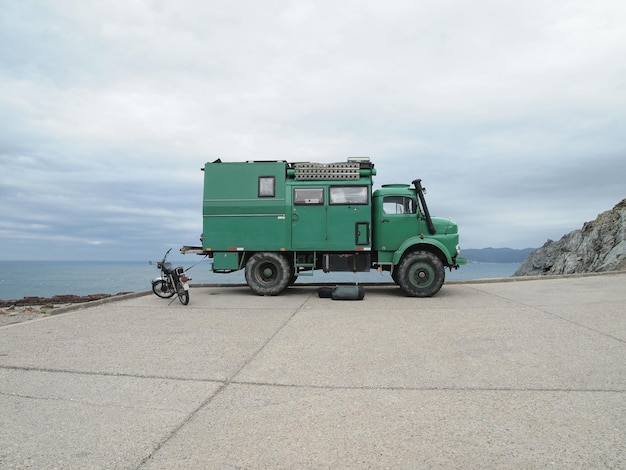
point(161, 289)
point(183, 295)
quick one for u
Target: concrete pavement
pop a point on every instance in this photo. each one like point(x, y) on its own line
point(525, 374)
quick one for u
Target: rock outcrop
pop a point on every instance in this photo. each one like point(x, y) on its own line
point(599, 246)
point(55, 300)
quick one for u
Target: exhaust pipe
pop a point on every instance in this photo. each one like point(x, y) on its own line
point(420, 193)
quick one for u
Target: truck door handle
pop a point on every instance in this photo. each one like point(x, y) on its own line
point(385, 221)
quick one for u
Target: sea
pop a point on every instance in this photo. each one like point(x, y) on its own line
point(19, 279)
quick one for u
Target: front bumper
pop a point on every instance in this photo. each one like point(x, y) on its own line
point(458, 262)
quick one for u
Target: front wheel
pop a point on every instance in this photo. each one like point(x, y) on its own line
point(161, 289)
point(268, 273)
point(420, 274)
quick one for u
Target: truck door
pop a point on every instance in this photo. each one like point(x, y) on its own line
point(349, 217)
point(308, 219)
point(397, 222)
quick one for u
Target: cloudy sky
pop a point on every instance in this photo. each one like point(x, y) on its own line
point(512, 113)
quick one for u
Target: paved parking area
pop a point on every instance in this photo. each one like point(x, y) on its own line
point(525, 374)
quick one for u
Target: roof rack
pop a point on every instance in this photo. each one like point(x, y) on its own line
point(327, 171)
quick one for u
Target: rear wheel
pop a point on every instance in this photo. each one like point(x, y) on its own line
point(183, 295)
point(268, 273)
point(420, 274)
point(161, 289)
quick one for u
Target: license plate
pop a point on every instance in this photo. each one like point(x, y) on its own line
point(185, 286)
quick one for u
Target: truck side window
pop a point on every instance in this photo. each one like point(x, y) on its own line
point(399, 205)
point(267, 186)
point(309, 196)
point(348, 195)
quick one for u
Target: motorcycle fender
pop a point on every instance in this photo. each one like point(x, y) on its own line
point(156, 279)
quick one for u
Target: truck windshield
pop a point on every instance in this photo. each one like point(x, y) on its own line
point(399, 205)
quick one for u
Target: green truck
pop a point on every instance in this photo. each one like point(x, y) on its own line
point(280, 220)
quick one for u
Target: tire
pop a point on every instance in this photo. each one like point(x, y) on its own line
point(183, 295)
point(420, 274)
point(268, 273)
point(161, 289)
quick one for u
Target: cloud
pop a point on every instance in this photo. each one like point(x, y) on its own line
point(511, 113)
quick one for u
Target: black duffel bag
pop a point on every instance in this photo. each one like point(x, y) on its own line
point(348, 293)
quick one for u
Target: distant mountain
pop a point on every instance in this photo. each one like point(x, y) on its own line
point(496, 255)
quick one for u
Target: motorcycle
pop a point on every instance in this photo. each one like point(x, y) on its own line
point(172, 281)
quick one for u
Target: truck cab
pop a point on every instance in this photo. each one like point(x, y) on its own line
point(410, 243)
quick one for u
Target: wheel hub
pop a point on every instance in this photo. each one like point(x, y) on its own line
point(421, 275)
point(267, 273)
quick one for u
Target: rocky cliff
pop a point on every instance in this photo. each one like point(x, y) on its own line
point(599, 245)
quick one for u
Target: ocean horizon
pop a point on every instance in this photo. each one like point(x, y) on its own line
point(19, 279)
